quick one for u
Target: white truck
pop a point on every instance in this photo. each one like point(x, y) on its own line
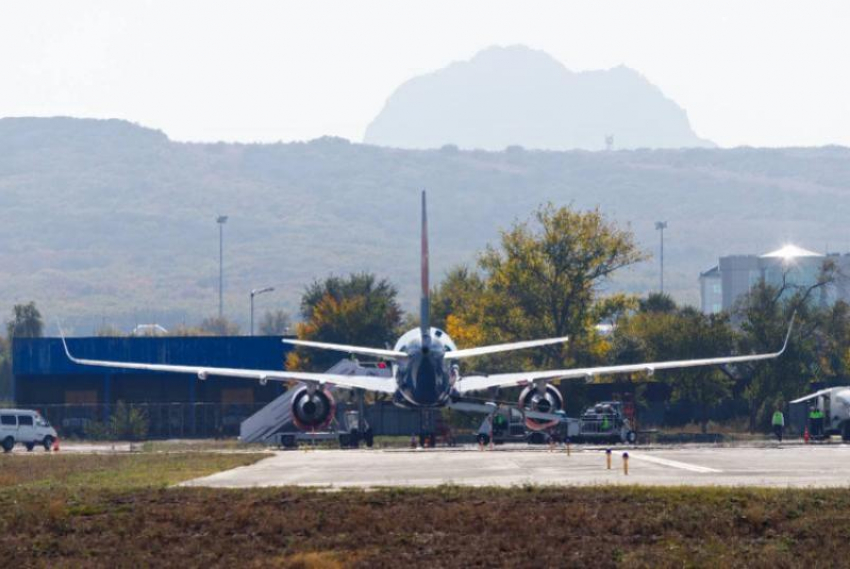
point(26, 427)
point(834, 402)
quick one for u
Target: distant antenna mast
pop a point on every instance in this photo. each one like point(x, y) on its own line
point(609, 142)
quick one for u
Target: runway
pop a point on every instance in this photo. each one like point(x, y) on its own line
point(786, 466)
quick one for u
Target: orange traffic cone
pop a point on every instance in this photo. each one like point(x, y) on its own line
point(56, 444)
point(806, 435)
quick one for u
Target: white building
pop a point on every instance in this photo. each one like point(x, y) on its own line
point(735, 275)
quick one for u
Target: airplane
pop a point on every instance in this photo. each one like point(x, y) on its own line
point(425, 369)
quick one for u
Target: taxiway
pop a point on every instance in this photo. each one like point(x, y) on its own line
point(772, 466)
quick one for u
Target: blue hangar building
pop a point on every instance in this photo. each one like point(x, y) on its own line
point(176, 405)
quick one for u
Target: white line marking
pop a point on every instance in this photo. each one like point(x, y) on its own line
point(674, 463)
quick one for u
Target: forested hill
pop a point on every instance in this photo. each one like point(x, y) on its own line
point(108, 220)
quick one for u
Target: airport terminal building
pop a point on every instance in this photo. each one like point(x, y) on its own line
point(734, 275)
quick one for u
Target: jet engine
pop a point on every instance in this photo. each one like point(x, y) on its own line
point(546, 399)
point(313, 410)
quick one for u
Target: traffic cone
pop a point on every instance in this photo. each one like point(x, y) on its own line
point(806, 435)
point(56, 444)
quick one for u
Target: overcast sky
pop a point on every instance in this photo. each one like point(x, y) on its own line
point(761, 73)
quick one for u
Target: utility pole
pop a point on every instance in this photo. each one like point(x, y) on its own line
point(661, 226)
point(221, 220)
point(254, 293)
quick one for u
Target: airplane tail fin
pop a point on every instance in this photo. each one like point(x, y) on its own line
point(425, 300)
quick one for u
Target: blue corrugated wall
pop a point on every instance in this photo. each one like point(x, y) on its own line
point(45, 356)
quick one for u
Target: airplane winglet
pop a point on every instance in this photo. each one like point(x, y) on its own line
point(788, 334)
point(65, 344)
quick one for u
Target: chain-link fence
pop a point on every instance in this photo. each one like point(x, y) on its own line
point(164, 420)
point(209, 420)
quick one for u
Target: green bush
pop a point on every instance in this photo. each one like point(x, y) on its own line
point(127, 423)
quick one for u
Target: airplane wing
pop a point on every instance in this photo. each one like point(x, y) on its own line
point(483, 350)
point(369, 383)
point(479, 382)
point(811, 396)
point(377, 352)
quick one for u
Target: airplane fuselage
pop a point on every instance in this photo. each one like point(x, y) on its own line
point(425, 378)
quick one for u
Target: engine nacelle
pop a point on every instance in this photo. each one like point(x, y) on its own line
point(546, 400)
point(313, 411)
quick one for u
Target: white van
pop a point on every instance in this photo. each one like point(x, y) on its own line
point(26, 427)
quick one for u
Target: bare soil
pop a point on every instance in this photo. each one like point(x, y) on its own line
point(62, 522)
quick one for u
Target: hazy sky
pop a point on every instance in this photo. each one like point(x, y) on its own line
point(762, 73)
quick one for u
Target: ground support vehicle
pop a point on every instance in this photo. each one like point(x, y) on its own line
point(602, 423)
point(26, 427)
point(834, 406)
point(605, 422)
point(350, 434)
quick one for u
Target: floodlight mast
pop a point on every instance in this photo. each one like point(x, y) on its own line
point(661, 226)
point(254, 293)
point(221, 220)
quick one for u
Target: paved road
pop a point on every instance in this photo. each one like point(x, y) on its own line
point(799, 466)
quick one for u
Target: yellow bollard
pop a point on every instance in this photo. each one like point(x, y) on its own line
point(626, 463)
point(608, 457)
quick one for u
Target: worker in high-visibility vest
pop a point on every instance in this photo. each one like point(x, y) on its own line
point(816, 422)
point(778, 424)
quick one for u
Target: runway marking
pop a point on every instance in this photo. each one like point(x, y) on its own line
point(674, 463)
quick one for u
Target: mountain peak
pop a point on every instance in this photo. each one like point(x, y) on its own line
point(516, 95)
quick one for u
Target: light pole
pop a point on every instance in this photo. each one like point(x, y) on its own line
point(661, 226)
point(221, 220)
point(254, 293)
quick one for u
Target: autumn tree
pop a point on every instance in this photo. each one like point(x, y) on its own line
point(544, 280)
point(359, 309)
point(457, 306)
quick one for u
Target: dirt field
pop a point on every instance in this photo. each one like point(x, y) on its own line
point(116, 511)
